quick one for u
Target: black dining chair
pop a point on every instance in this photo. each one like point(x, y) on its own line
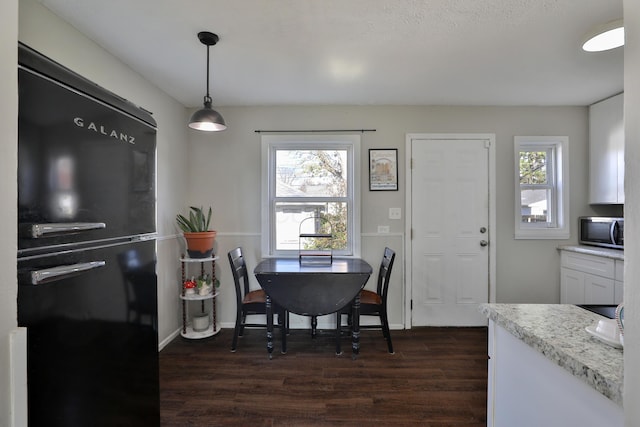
point(250, 302)
point(372, 303)
point(140, 283)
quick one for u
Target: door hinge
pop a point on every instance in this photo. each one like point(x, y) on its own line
point(411, 163)
point(411, 304)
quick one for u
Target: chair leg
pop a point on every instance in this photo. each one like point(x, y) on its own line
point(236, 332)
point(385, 330)
point(242, 322)
point(282, 320)
point(314, 326)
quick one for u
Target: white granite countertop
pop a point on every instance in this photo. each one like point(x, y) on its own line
point(558, 332)
point(595, 250)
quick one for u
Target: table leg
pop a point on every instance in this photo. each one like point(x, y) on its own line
point(269, 313)
point(355, 327)
point(338, 333)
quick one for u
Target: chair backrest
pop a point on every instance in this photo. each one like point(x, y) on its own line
point(384, 274)
point(239, 271)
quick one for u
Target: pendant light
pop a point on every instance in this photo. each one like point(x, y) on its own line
point(207, 119)
point(605, 37)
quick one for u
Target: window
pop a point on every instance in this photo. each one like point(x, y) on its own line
point(542, 187)
point(309, 176)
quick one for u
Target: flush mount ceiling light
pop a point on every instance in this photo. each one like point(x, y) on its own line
point(605, 37)
point(207, 119)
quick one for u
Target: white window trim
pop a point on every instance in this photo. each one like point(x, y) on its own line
point(561, 167)
point(270, 142)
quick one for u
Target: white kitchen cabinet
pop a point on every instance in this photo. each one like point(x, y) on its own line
point(618, 293)
point(571, 286)
point(598, 290)
point(579, 287)
point(606, 151)
point(588, 279)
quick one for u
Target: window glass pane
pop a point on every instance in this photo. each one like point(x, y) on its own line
point(541, 184)
point(290, 215)
point(533, 167)
point(534, 205)
point(311, 173)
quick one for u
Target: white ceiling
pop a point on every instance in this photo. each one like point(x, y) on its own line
point(360, 52)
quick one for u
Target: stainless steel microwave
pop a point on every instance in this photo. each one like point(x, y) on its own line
point(602, 231)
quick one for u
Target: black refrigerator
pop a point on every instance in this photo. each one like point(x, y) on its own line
point(87, 286)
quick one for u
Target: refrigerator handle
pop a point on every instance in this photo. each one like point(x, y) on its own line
point(39, 230)
point(62, 272)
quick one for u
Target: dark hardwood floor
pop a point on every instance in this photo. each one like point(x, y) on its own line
point(437, 377)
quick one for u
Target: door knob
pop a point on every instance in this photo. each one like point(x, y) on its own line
point(483, 243)
point(483, 230)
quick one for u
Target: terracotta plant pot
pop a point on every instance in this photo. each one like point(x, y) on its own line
point(200, 245)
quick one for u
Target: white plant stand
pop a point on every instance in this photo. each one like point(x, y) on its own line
point(187, 330)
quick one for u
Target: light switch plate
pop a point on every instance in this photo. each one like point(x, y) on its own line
point(383, 229)
point(395, 213)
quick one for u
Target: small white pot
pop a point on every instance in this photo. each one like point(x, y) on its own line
point(201, 322)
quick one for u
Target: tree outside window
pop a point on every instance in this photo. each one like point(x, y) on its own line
point(311, 174)
point(536, 187)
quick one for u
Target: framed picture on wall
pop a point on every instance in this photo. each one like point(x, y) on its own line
point(383, 169)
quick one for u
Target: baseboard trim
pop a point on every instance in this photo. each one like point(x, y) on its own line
point(162, 344)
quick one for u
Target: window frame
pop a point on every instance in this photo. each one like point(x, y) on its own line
point(271, 143)
point(557, 185)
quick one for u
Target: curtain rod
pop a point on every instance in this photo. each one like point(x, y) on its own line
point(314, 130)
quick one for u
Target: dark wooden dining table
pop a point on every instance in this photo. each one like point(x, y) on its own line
point(313, 289)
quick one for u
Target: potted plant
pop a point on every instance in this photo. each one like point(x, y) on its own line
point(196, 232)
point(204, 285)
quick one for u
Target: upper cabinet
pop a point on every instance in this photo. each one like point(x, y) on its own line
point(606, 151)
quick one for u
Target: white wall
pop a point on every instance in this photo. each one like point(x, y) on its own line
point(45, 32)
point(527, 270)
point(8, 192)
point(632, 212)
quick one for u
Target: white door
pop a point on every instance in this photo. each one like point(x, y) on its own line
point(450, 231)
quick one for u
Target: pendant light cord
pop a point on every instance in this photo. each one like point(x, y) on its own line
point(207, 98)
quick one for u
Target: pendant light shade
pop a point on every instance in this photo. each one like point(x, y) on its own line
point(605, 37)
point(207, 119)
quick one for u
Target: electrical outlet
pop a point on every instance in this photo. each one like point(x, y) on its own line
point(383, 229)
point(395, 213)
